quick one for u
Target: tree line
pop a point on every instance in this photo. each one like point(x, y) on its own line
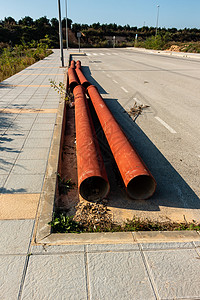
point(27, 30)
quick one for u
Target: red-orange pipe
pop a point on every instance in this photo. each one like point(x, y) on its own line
point(78, 64)
point(72, 64)
point(84, 82)
point(73, 79)
point(92, 179)
point(139, 183)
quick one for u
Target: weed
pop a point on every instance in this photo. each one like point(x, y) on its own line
point(60, 89)
point(64, 186)
point(61, 223)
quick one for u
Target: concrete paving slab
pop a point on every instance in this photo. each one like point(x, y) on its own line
point(10, 153)
point(166, 236)
point(11, 270)
point(49, 249)
point(45, 121)
point(13, 134)
point(29, 166)
point(118, 276)
point(18, 206)
point(40, 134)
point(15, 236)
point(6, 165)
point(23, 184)
point(34, 153)
point(112, 247)
point(20, 126)
point(52, 277)
point(162, 246)
point(175, 273)
point(7, 142)
point(39, 127)
point(37, 143)
point(3, 179)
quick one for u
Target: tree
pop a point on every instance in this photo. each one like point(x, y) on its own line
point(42, 22)
point(54, 23)
point(26, 21)
point(9, 21)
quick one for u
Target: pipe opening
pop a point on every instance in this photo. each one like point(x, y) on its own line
point(141, 187)
point(94, 188)
point(86, 84)
point(72, 85)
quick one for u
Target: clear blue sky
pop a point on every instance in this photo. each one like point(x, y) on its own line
point(173, 13)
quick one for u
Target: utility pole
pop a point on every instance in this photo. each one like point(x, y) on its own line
point(157, 19)
point(60, 34)
point(67, 38)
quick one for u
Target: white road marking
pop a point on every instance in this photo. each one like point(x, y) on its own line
point(165, 125)
point(108, 54)
point(115, 53)
point(102, 54)
point(94, 54)
point(108, 75)
point(89, 54)
point(124, 89)
point(103, 71)
point(115, 81)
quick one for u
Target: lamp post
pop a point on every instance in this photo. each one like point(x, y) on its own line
point(158, 6)
point(60, 34)
point(67, 38)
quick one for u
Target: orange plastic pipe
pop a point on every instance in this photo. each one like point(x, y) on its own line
point(73, 79)
point(78, 64)
point(84, 82)
point(72, 65)
point(139, 183)
point(92, 179)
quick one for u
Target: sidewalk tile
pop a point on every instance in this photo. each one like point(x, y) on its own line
point(40, 134)
point(15, 236)
point(23, 184)
point(160, 246)
point(29, 166)
point(52, 277)
point(18, 206)
point(175, 273)
point(6, 165)
point(113, 247)
point(47, 249)
point(39, 127)
point(37, 143)
point(11, 270)
point(118, 276)
point(34, 153)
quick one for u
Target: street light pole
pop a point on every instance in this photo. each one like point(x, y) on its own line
point(60, 34)
point(67, 44)
point(158, 6)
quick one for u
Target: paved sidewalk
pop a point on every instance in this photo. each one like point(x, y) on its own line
point(141, 269)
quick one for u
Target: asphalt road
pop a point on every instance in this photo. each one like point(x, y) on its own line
point(167, 133)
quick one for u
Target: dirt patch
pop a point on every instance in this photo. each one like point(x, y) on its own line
point(174, 48)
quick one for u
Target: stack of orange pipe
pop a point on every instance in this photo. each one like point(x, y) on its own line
point(138, 180)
